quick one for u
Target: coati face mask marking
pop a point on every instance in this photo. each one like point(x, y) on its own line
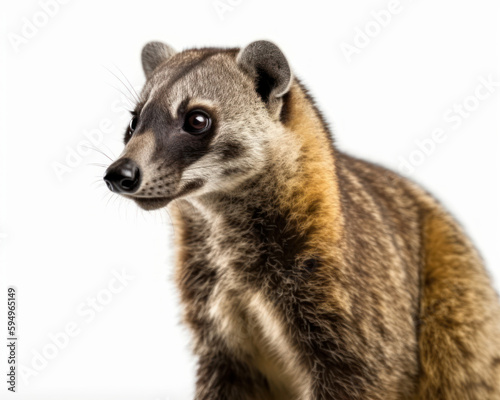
point(203, 122)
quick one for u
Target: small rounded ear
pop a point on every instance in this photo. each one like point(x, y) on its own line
point(153, 54)
point(269, 68)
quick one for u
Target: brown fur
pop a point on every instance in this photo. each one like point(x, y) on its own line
point(416, 308)
point(318, 275)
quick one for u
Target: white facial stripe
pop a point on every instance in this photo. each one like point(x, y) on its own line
point(202, 168)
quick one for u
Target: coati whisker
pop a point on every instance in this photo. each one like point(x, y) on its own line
point(98, 150)
point(135, 97)
point(98, 165)
point(125, 95)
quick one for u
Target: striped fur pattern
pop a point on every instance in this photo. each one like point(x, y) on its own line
point(305, 273)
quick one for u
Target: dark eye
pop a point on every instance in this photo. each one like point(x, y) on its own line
point(133, 124)
point(197, 122)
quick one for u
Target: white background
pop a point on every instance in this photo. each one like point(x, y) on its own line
point(62, 238)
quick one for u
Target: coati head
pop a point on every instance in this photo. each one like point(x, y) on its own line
point(203, 124)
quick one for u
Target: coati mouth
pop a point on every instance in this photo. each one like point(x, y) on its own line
point(151, 203)
point(124, 177)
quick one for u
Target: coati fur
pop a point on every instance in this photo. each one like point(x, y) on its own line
point(304, 273)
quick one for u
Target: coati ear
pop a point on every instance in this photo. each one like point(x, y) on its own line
point(269, 68)
point(153, 54)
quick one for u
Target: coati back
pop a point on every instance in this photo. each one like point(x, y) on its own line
point(304, 273)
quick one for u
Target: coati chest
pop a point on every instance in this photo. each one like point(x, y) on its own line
point(240, 265)
point(247, 323)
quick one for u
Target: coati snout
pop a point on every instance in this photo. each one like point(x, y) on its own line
point(123, 177)
point(202, 122)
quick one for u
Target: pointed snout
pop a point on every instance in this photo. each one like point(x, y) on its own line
point(123, 176)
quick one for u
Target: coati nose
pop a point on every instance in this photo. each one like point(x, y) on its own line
point(123, 176)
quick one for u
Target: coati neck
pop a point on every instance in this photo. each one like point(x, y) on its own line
point(307, 188)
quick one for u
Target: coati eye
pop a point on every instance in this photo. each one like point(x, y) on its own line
point(133, 124)
point(197, 122)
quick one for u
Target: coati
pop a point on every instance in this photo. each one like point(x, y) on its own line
point(305, 273)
